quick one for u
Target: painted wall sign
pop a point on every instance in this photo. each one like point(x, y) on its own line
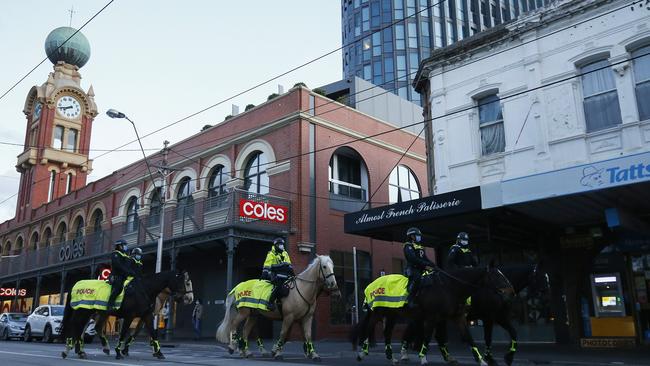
point(263, 211)
point(11, 291)
point(440, 205)
point(582, 178)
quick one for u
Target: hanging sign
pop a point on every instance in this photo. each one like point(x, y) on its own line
point(263, 211)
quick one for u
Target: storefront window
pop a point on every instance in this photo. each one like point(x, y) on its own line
point(342, 310)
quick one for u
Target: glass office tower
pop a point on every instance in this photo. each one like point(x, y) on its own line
point(389, 56)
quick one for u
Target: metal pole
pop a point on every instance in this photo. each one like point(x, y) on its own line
point(162, 210)
point(356, 286)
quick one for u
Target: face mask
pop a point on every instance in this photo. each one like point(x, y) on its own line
point(125, 248)
point(464, 242)
point(138, 257)
point(280, 247)
point(418, 238)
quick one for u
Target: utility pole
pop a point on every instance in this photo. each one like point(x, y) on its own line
point(163, 171)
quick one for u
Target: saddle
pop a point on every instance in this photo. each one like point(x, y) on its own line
point(94, 294)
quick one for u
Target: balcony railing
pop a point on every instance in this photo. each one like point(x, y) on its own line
point(237, 207)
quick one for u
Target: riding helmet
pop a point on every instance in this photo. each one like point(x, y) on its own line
point(462, 238)
point(278, 242)
point(413, 231)
point(121, 245)
point(136, 251)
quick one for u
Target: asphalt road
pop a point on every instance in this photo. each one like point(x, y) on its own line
point(333, 354)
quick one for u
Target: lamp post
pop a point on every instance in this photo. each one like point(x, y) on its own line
point(117, 114)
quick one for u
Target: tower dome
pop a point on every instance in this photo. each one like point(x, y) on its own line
point(76, 51)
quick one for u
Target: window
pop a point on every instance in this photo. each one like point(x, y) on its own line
point(389, 72)
point(58, 137)
point(347, 175)
point(413, 63)
point(436, 8)
point(399, 37)
point(410, 8)
point(424, 4)
point(365, 19)
point(61, 233)
point(357, 24)
point(376, 44)
point(413, 35)
point(493, 138)
point(34, 242)
point(600, 96)
point(50, 190)
point(450, 33)
point(68, 183)
point(216, 187)
point(48, 237)
point(375, 15)
point(312, 104)
point(19, 245)
point(185, 204)
point(367, 72)
point(642, 79)
point(388, 40)
point(155, 206)
point(415, 96)
point(399, 9)
point(401, 68)
point(376, 73)
point(461, 10)
point(341, 310)
point(132, 215)
point(97, 219)
point(438, 34)
point(79, 229)
point(366, 49)
point(386, 11)
point(402, 92)
point(426, 35)
point(402, 185)
point(255, 177)
point(72, 140)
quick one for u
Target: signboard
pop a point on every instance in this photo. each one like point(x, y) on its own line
point(607, 343)
point(265, 211)
point(582, 178)
point(11, 291)
point(452, 203)
point(104, 274)
point(72, 250)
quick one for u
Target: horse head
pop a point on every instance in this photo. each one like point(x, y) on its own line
point(181, 287)
point(538, 282)
point(497, 280)
point(326, 271)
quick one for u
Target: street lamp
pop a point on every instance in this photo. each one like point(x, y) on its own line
point(117, 114)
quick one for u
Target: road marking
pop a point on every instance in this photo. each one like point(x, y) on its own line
point(70, 359)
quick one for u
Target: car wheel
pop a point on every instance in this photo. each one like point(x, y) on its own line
point(5, 335)
point(47, 334)
point(28, 333)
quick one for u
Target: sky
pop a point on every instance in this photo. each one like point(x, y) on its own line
point(159, 61)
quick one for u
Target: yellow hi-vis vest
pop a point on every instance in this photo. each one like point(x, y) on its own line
point(273, 258)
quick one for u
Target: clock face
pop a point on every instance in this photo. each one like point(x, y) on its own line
point(68, 107)
point(38, 108)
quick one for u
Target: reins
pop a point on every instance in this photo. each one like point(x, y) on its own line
point(321, 276)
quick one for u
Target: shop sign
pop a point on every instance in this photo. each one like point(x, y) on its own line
point(607, 343)
point(263, 211)
point(104, 274)
point(582, 178)
point(11, 291)
point(440, 205)
point(72, 250)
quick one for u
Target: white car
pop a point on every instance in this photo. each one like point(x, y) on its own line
point(44, 323)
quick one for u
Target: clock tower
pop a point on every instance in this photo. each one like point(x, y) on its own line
point(59, 122)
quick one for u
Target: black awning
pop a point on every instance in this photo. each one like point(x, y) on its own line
point(389, 222)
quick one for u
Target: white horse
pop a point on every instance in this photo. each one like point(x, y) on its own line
point(298, 305)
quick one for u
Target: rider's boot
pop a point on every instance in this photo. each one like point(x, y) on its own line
point(273, 299)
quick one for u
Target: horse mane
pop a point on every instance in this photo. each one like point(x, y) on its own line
point(314, 260)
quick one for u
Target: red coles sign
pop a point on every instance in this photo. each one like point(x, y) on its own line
point(9, 291)
point(263, 211)
point(104, 274)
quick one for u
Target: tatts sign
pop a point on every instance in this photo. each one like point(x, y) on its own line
point(263, 211)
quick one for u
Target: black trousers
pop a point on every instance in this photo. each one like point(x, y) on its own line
point(116, 287)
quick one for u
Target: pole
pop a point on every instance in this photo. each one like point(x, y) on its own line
point(162, 209)
point(356, 286)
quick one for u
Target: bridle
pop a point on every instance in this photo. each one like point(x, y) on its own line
point(500, 291)
point(178, 295)
point(322, 277)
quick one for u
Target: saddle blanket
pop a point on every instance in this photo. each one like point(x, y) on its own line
point(387, 291)
point(94, 294)
point(254, 294)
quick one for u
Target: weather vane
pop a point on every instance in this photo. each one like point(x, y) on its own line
point(71, 11)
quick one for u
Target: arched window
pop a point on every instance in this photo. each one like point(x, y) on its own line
point(185, 201)
point(154, 207)
point(216, 186)
point(132, 214)
point(47, 236)
point(61, 232)
point(19, 245)
point(402, 185)
point(7, 248)
point(255, 178)
point(33, 242)
point(348, 175)
point(79, 229)
point(97, 219)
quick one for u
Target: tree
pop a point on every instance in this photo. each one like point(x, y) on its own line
point(272, 96)
point(228, 117)
point(320, 91)
point(299, 84)
point(249, 107)
point(206, 127)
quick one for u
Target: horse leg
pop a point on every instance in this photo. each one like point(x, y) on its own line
point(243, 340)
point(132, 336)
point(242, 315)
point(466, 336)
point(308, 346)
point(99, 328)
point(504, 321)
point(442, 338)
point(147, 319)
point(488, 325)
point(426, 339)
point(79, 324)
point(260, 346)
point(388, 339)
point(124, 330)
point(277, 347)
point(364, 334)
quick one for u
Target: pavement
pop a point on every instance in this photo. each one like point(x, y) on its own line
point(208, 353)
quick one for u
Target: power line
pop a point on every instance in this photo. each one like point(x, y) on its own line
point(61, 45)
point(78, 150)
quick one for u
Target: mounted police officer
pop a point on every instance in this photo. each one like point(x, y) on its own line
point(121, 268)
point(136, 257)
point(460, 255)
point(277, 269)
point(416, 263)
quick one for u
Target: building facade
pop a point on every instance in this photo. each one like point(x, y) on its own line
point(388, 55)
point(299, 154)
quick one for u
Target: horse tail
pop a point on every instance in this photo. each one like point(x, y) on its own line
point(223, 332)
point(66, 325)
point(359, 331)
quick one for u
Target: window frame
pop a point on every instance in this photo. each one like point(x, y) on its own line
point(259, 173)
point(410, 174)
point(478, 99)
point(642, 51)
point(581, 66)
point(131, 214)
point(184, 198)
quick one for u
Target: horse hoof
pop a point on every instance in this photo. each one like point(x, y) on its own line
point(118, 356)
point(231, 350)
point(279, 357)
point(159, 356)
point(83, 355)
point(316, 358)
point(64, 355)
point(106, 351)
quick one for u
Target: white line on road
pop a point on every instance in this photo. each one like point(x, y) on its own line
point(71, 359)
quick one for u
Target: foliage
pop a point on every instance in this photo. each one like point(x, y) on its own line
point(249, 107)
point(320, 91)
point(273, 96)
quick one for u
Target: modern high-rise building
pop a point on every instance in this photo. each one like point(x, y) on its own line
point(388, 56)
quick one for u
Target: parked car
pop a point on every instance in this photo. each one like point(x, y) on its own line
point(12, 325)
point(44, 323)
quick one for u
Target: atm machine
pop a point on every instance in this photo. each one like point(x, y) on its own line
point(610, 318)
